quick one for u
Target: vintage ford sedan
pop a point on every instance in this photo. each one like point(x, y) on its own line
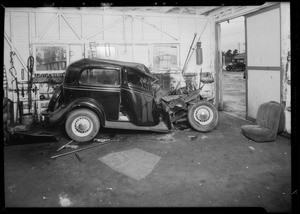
point(105, 93)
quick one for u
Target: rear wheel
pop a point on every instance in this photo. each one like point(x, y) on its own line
point(203, 116)
point(82, 125)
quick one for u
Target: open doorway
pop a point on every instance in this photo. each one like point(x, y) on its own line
point(232, 45)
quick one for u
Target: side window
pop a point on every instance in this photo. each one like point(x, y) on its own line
point(139, 80)
point(98, 76)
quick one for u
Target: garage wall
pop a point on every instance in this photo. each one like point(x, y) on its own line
point(132, 35)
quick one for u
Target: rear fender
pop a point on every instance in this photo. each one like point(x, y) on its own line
point(59, 115)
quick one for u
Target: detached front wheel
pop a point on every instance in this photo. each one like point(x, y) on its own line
point(203, 116)
point(82, 125)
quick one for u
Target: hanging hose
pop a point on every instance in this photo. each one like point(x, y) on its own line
point(30, 64)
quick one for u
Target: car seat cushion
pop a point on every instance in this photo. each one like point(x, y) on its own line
point(258, 133)
point(269, 122)
point(268, 115)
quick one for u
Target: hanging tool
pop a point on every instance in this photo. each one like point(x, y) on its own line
point(22, 78)
point(14, 74)
point(35, 116)
point(193, 49)
point(5, 83)
point(17, 91)
point(12, 61)
point(30, 64)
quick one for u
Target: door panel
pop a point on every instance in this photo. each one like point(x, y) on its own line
point(139, 105)
point(263, 59)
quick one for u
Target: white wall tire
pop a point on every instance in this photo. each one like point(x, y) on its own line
point(82, 125)
point(203, 116)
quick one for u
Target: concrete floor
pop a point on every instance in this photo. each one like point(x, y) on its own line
point(221, 168)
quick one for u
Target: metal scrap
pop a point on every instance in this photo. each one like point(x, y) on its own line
point(78, 150)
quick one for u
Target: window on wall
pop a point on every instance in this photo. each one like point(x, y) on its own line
point(50, 57)
point(99, 77)
point(101, 51)
point(165, 56)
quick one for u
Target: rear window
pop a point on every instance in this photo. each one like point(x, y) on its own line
point(99, 77)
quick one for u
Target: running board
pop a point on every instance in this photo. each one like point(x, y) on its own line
point(161, 127)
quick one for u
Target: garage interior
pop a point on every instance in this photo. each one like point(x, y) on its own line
point(180, 45)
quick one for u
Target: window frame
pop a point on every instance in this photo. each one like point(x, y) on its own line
point(98, 83)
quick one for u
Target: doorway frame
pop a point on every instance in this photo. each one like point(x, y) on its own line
point(218, 56)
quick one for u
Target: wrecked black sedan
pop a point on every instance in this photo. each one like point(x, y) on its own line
point(105, 93)
point(100, 93)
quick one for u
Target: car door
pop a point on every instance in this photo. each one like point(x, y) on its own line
point(99, 84)
point(137, 100)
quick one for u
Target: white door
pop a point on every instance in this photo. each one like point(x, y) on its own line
point(263, 59)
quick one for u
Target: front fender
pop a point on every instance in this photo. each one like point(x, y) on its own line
point(59, 115)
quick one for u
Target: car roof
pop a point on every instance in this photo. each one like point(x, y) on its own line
point(138, 67)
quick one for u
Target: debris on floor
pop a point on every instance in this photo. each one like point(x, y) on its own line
point(81, 149)
point(193, 137)
point(134, 163)
point(251, 147)
point(167, 137)
point(97, 140)
point(64, 201)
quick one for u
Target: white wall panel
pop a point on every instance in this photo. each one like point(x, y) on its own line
point(21, 36)
point(262, 83)
point(66, 33)
point(261, 37)
point(137, 30)
point(124, 52)
point(7, 23)
point(151, 32)
point(171, 26)
point(115, 32)
point(43, 21)
point(92, 24)
point(75, 21)
point(141, 54)
point(52, 32)
point(128, 29)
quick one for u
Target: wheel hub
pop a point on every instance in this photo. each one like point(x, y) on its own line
point(82, 126)
point(203, 115)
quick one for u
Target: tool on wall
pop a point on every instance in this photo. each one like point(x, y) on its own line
point(193, 48)
point(14, 75)
point(30, 64)
point(22, 78)
point(17, 91)
point(5, 83)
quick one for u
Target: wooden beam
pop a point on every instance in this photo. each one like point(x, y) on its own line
point(154, 26)
point(71, 26)
point(48, 26)
point(106, 28)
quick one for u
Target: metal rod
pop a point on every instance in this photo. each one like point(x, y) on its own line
point(78, 150)
point(195, 34)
